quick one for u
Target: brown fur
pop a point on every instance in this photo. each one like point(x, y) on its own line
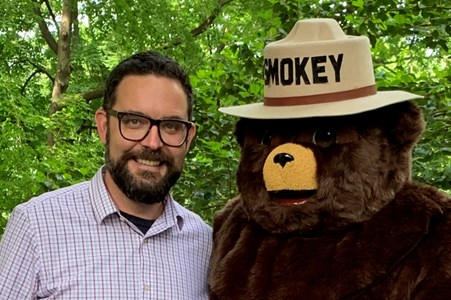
point(367, 233)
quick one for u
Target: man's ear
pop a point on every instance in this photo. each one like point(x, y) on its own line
point(102, 124)
point(190, 138)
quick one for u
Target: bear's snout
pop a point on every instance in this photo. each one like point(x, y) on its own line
point(283, 158)
point(290, 167)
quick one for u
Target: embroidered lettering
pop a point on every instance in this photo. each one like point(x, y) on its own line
point(296, 70)
point(286, 71)
point(300, 70)
point(337, 65)
point(271, 71)
point(317, 69)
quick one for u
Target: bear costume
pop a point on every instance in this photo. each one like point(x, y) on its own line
point(326, 207)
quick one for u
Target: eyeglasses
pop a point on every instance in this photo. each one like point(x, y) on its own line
point(135, 127)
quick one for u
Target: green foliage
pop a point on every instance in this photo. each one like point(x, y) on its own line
point(220, 43)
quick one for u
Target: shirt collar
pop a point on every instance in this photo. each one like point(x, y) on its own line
point(173, 213)
point(103, 205)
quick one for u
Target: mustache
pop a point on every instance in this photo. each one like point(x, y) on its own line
point(148, 154)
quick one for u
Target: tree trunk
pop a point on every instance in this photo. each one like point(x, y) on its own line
point(63, 64)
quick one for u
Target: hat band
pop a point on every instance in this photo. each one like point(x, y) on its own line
point(323, 98)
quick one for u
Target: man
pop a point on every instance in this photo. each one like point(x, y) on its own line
point(120, 235)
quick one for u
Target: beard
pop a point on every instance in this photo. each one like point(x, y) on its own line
point(145, 186)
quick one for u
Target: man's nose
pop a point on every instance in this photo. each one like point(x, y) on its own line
point(152, 139)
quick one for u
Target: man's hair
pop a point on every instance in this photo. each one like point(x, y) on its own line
point(147, 63)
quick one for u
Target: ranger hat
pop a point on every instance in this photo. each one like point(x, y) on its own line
point(318, 71)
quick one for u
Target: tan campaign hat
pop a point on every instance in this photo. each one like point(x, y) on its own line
point(318, 71)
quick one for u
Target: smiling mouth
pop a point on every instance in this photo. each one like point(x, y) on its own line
point(289, 198)
point(152, 163)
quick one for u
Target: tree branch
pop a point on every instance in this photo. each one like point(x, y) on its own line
point(98, 93)
point(42, 70)
point(75, 28)
point(92, 94)
point(46, 34)
point(204, 25)
point(24, 86)
point(49, 8)
point(210, 19)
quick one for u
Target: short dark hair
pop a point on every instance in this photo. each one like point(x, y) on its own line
point(147, 63)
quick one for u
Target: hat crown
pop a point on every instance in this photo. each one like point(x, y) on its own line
point(316, 59)
point(315, 30)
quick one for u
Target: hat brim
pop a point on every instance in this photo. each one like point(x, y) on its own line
point(329, 109)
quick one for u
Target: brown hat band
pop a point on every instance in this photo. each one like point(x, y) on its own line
point(323, 98)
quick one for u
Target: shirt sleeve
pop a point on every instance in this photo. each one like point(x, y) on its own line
point(18, 259)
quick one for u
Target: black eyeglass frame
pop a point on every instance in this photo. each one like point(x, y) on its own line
point(153, 122)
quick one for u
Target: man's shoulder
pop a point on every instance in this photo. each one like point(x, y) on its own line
point(61, 197)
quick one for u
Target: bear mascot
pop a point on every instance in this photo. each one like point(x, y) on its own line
point(326, 206)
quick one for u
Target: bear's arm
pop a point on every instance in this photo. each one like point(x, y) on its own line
point(426, 274)
point(435, 256)
point(227, 226)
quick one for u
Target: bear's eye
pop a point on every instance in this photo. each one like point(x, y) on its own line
point(323, 137)
point(266, 138)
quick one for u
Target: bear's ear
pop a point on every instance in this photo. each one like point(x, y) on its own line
point(402, 122)
point(249, 131)
point(408, 123)
point(239, 131)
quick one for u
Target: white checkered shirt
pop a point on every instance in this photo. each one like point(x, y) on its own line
point(73, 244)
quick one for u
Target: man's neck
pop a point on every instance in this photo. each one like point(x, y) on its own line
point(123, 203)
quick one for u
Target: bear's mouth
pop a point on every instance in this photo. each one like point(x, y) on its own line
point(289, 197)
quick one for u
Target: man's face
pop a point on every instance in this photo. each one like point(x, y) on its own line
point(145, 171)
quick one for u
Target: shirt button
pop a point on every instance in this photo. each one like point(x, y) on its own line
point(146, 288)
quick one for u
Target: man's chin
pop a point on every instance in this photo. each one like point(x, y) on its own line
point(145, 179)
point(142, 183)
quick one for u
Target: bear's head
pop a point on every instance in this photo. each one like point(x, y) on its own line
point(324, 173)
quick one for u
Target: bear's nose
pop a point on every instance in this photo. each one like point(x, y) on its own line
point(283, 158)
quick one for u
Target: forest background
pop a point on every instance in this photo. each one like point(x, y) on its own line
point(55, 56)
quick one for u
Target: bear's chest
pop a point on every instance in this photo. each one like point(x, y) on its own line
point(259, 265)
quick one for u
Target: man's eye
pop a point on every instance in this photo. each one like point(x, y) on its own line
point(172, 126)
point(133, 121)
point(324, 137)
